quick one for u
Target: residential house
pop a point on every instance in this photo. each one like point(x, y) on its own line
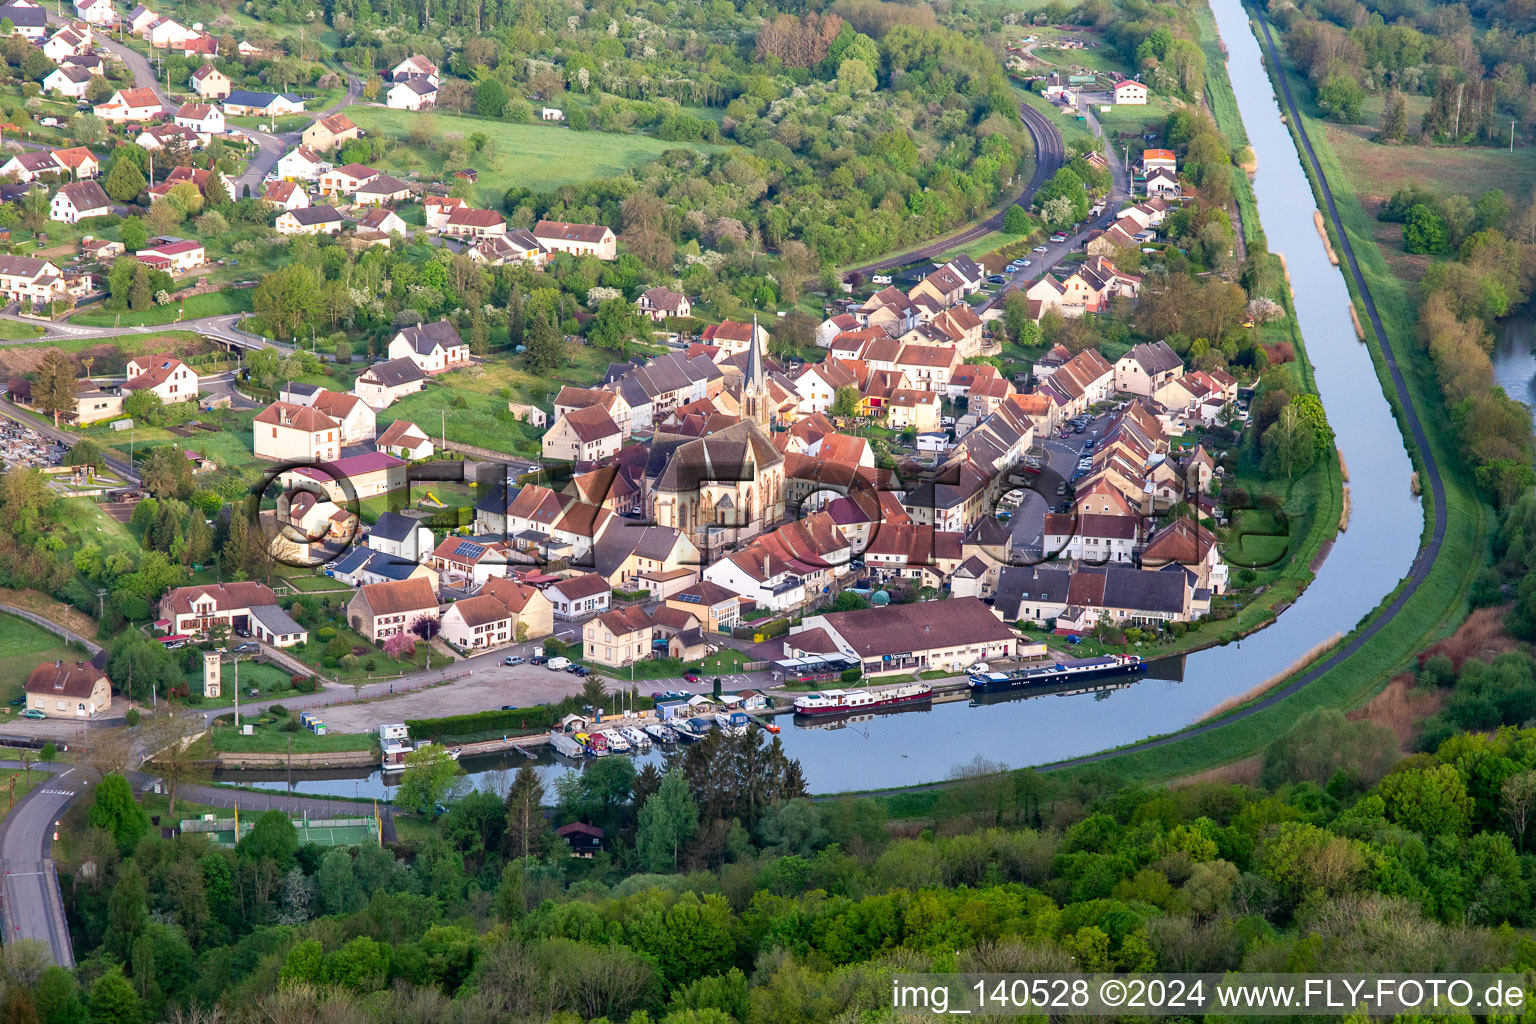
point(414, 67)
point(577, 239)
point(32, 282)
point(948, 636)
point(1158, 159)
point(77, 201)
point(167, 377)
point(891, 309)
point(662, 303)
point(30, 166)
point(1146, 368)
point(717, 609)
point(302, 164)
point(928, 367)
point(365, 475)
point(944, 286)
point(1128, 92)
point(309, 220)
point(414, 94)
point(469, 561)
point(197, 610)
point(28, 20)
point(435, 348)
point(354, 417)
point(465, 222)
point(1185, 543)
point(295, 433)
point(70, 82)
point(67, 42)
point(617, 638)
point(262, 104)
point(516, 245)
point(167, 33)
point(583, 435)
point(437, 209)
point(638, 556)
point(401, 535)
point(405, 440)
point(1162, 183)
point(140, 18)
point(61, 689)
point(384, 383)
point(130, 105)
point(911, 409)
point(818, 384)
point(1091, 537)
point(380, 610)
point(174, 257)
point(578, 597)
point(210, 83)
point(380, 191)
point(285, 195)
point(346, 179)
point(1080, 383)
point(168, 136)
point(1088, 289)
point(329, 132)
point(100, 13)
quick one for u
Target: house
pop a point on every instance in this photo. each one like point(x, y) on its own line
point(1185, 543)
point(140, 18)
point(1158, 159)
point(169, 136)
point(130, 105)
point(617, 638)
point(167, 33)
point(210, 83)
point(516, 245)
point(68, 81)
point(1090, 537)
point(302, 164)
point(401, 535)
point(355, 417)
point(583, 435)
point(30, 281)
point(92, 62)
point(61, 689)
point(1080, 383)
point(465, 222)
point(948, 636)
point(381, 610)
point(717, 609)
point(174, 257)
point(29, 166)
point(233, 606)
point(163, 374)
point(1162, 183)
point(80, 162)
point(944, 286)
point(96, 12)
point(405, 440)
point(638, 556)
point(384, 383)
point(285, 195)
point(585, 841)
point(204, 118)
point(928, 367)
point(437, 209)
point(365, 475)
point(1146, 368)
point(295, 433)
point(505, 611)
point(1129, 92)
point(382, 221)
point(661, 303)
point(434, 348)
point(911, 409)
point(309, 518)
point(577, 239)
point(551, 114)
point(1088, 289)
point(414, 67)
point(329, 132)
point(78, 201)
point(67, 42)
point(469, 561)
point(733, 337)
point(1077, 599)
point(262, 104)
point(382, 189)
point(413, 94)
point(198, 177)
point(28, 20)
point(310, 220)
point(578, 597)
point(346, 179)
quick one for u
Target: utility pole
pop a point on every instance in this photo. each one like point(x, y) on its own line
point(1511, 135)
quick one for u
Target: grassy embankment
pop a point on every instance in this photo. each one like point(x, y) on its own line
point(220, 303)
point(23, 647)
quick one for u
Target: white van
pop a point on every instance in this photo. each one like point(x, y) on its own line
point(559, 664)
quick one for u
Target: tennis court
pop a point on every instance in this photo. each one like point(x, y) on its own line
point(321, 832)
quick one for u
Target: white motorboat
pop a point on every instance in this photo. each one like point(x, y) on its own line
point(637, 739)
point(660, 732)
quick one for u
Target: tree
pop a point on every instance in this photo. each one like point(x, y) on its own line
point(1016, 220)
point(133, 234)
point(854, 76)
point(1394, 120)
point(143, 406)
point(127, 912)
point(490, 97)
point(1431, 801)
point(274, 839)
point(400, 645)
point(1424, 231)
point(1517, 803)
point(546, 349)
point(287, 298)
point(167, 472)
point(526, 827)
point(54, 390)
point(1021, 327)
point(668, 819)
point(114, 1001)
point(1340, 98)
point(177, 738)
point(114, 810)
point(1289, 445)
point(124, 181)
point(593, 690)
point(109, 753)
point(141, 294)
point(429, 780)
point(845, 401)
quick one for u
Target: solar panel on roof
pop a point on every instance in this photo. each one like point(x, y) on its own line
point(690, 598)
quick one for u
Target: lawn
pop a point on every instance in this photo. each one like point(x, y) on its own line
point(23, 647)
point(271, 680)
point(539, 156)
point(220, 303)
point(271, 739)
point(727, 661)
point(10, 330)
point(452, 495)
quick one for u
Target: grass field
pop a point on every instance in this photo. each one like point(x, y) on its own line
point(23, 647)
point(541, 157)
point(269, 739)
point(10, 330)
point(220, 303)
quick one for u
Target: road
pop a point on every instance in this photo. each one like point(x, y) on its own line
point(1050, 154)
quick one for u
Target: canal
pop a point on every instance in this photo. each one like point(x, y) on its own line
point(1514, 358)
point(1366, 562)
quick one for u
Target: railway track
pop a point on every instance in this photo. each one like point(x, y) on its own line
point(1050, 154)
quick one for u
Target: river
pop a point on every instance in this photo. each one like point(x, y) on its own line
point(1365, 564)
point(1514, 360)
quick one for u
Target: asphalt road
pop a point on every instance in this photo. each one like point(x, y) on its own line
point(34, 908)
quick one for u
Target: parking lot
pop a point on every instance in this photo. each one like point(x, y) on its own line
point(1062, 455)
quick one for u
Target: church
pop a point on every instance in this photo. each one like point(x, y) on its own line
point(728, 487)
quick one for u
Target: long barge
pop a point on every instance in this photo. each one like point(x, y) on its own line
point(845, 702)
point(1071, 670)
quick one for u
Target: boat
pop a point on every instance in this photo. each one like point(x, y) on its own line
point(617, 741)
point(843, 702)
point(733, 724)
point(566, 744)
point(694, 729)
point(1068, 670)
point(394, 757)
point(596, 743)
point(661, 732)
point(637, 739)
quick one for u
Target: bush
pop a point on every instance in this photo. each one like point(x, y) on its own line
point(851, 675)
point(291, 725)
point(370, 664)
point(132, 717)
point(325, 634)
point(331, 662)
point(277, 711)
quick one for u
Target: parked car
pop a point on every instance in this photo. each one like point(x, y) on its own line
point(515, 659)
point(1074, 638)
point(558, 664)
point(1027, 263)
point(997, 279)
point(1042, 248)
point(1088, 445)
point(1058, 237)
point(580, 671)
point(538, 659)
point(33, 713)
point(691, 677)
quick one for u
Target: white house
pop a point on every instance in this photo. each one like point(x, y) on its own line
point(579, 597)
point(203, 118)
point(434, 348)
point(405, 440)
point(302, 164)
point(412, 94)
point(164, 375)
point(309, 220)
point(1131, 93)
point(78, 200)
point(68, 81)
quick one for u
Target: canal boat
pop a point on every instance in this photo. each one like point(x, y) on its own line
point(1069, 670)
point(567, 745)
point(637, 739)
point(733, 724)
point(694, 729)
point(394, 756)
point(660, 732)
point(617, 741)
point(596, 743)
point(844, 702)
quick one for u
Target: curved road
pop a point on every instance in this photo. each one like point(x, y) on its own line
point(1050, 154)
point(1425, 560)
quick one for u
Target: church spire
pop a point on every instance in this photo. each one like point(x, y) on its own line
point(754, 389)
point(755, 379)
